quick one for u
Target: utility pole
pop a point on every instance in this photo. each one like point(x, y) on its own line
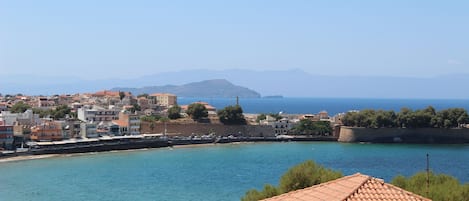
point(428, 175)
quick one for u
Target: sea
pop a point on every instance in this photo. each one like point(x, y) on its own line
point(227, 171)
point(331, 105)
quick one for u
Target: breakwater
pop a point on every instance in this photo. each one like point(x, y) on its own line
point(404, 135)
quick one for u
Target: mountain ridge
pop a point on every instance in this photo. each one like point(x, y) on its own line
point(214, 88)
point(288, 83)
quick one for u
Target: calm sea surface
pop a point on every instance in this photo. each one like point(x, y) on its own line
point(217, 172)
point(332, 105)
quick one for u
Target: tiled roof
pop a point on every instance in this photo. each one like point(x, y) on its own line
point(121, 123)
point(355, 187)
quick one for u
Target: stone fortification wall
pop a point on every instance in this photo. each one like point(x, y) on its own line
point(188, 129)
point(404, 135)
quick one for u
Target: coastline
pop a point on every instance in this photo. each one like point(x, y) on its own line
point(27, 157)
point(45, 156)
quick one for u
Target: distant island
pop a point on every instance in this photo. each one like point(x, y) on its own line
point(217, 88)
point(274, 96)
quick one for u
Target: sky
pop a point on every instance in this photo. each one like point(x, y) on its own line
point(128, 39)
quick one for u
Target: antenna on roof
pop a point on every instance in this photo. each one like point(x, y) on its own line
point(428, 174)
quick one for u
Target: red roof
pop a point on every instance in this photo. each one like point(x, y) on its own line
point(355, 187)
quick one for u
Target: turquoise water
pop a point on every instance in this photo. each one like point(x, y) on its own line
point(219, 172)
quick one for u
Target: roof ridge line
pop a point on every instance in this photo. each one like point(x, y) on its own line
point(359, 186)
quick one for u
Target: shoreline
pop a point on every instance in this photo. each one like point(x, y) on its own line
point(45, 156)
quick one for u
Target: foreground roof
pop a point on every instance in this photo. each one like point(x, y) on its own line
point(355, 187)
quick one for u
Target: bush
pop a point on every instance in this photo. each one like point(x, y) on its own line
point(442, 187)
point(303, 175)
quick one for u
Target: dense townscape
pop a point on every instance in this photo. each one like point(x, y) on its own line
point(31, 120)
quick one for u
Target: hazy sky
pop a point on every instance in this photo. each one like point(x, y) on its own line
point(113, 38)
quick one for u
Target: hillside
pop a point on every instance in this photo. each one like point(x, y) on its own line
point(217, 88)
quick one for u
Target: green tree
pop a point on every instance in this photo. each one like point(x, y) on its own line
point(197, 111)
point(276, 116)
point(174, 112)
point(121, 95)
point(232, 115)
point(261, 117)
point(19, 107)
point(42, 113)
point(441, 188)
point(150, 118)
point(300, 176)
point(143, 95)
point(267, 192)
point(60, 112)
point(309, 127)
point(135, 107)
point(306, 174)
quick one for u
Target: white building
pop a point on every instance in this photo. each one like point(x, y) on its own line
point(26, 118)
point(97, 114)
point(281, 127)
point(88, 130)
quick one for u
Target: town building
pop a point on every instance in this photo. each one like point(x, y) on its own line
point(89, 130)
point(281, 127)
point(129, 124)
point(108, 129)
point(3, 106)
point(6, 135)
point(164, 99)
point(45, 103)
point(355, 187)
point(144, 103)
point(49, 130)
point(97, 114)
point(25, 118)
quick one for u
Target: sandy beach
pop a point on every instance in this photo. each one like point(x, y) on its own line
point(29, 157)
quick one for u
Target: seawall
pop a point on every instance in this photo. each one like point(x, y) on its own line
point(188, 129)
point(404, 135)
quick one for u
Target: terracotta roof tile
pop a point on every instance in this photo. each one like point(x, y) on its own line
point(357, 187)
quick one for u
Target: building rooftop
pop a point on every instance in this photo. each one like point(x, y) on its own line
point(355, 187)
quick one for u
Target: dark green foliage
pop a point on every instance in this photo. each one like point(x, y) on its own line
point(121, 95)
point(150, 118)
point(19, 107)
point(59, 112)
point(308, 127)
point(306, 174)
point(406, 118)
point(300, 176)
point(232, 115)
point(174, 112)
point(276, 116)
point(197, 111)
point(135, 107)
point(267, 192)
point(143, 95)
point(261, 117)
point(264, 116)
point(442, 187)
